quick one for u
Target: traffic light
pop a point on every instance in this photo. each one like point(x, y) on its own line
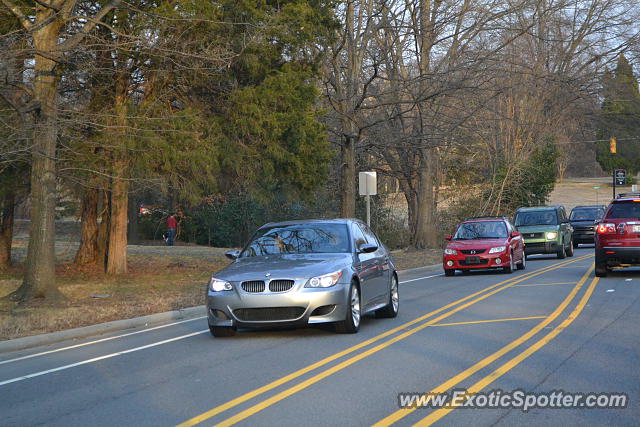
point(613, 145)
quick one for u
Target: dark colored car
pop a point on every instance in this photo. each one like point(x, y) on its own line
point(304, 272)
point(545, 230)
point(583, 220)
point(618, 235)
point(484, 242)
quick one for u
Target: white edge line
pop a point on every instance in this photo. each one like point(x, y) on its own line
point(29, 356)
point(119, 353)
point(96, 359)
point(420, 278)
point(71, 347)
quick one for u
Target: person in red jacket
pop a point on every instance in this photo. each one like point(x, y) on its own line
point(172, 225)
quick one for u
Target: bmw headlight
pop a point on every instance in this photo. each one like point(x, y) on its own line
point(497, 249)
point(551, 235)
point(450, 252)
point(325, 281)
point(217, 285)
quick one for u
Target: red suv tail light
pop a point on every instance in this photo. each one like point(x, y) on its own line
point(606, 228)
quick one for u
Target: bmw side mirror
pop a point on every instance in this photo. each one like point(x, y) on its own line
point(514, 234)
point(234, 254)
point(367, 248)
point(448, 237)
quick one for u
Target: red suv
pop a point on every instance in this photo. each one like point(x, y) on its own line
point(484, 242)
point(618, 235)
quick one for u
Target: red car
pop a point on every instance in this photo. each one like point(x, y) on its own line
point(618, 235)
point(484, 242)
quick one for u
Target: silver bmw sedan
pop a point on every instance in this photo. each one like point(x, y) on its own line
point(304, 272)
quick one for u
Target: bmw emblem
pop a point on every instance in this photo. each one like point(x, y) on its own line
point(473, 252)
point(268, 275)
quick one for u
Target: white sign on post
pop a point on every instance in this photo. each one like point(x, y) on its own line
point(368, 187)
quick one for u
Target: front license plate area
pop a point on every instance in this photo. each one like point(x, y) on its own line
point(473, 260)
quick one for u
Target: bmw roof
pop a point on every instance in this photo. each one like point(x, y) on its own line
point(313, 221)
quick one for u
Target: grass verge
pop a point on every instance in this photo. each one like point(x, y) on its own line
point(160, 279)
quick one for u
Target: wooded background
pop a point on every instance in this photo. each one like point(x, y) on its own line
point(238, 112)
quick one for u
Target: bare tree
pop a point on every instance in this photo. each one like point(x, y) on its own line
point(349, 73)
point(46, 24)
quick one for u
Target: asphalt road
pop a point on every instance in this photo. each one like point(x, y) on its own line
point(551, 327)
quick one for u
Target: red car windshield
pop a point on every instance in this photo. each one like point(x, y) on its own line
point(481, 230)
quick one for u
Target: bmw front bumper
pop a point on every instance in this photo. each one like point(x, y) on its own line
point(298, 306)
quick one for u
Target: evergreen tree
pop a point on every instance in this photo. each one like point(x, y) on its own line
point(620, 118)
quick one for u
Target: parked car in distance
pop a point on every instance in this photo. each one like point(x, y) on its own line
point(583, 220)
point(304, 272)
point(618, 235)
point(545, 230)
point(484, 242)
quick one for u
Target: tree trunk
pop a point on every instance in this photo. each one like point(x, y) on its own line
point(347, 94)
point(426, 231)
point(348, 178)
point(103, 228)
point(6, 229)
point(39, 279)
point(410, 197)
point(117, 251)
point(88, 250)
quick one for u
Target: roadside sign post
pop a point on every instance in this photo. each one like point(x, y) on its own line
point(368, 187)
point(619, 179)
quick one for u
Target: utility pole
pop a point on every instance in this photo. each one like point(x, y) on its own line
point(613, 149)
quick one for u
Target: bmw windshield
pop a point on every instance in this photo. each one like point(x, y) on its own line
point(299, 239)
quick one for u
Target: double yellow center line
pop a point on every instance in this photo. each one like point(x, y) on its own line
point(449, 384)
point(417, 325)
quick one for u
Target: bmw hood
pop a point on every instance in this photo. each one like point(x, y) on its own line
point(286, 266)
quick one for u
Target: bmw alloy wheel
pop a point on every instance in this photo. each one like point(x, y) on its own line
point(395, 297)
point(355, 307)
point(391, 309)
